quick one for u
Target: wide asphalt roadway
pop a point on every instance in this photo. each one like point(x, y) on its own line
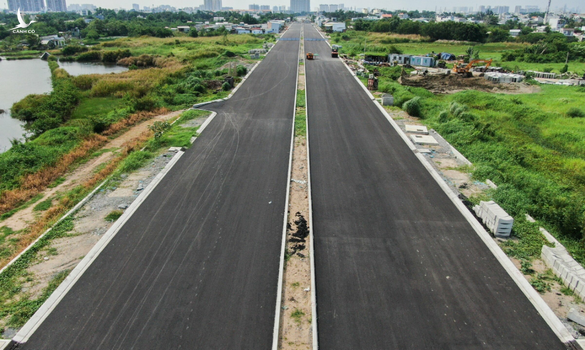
point(196, 267)
point(397, 265)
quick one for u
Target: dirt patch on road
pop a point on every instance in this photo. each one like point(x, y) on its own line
point(452, 83)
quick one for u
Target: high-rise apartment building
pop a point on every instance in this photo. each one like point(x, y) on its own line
point(26, 5)
point(56, 6)
point(298, 6)
point(212, 5)
point(136, 7)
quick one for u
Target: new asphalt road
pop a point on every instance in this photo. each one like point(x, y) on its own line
point(196, 267)
point(397, 265)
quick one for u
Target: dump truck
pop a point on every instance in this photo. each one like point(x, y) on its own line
point(335, 50)
point(309, 55)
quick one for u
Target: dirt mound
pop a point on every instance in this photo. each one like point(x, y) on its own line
point(448, 84)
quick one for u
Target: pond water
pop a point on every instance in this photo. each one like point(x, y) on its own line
point(79, 68)
point(18, 79)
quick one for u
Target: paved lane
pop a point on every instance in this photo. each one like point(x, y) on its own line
point(196, 267)
point(397, 265)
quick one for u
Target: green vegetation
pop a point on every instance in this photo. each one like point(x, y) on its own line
point(179, 73)
point(532, 146)
point(540, 283)
point(505, 54)
point(114, 215)
point(301, 115)
point(106, 23)
point(15, 276)
point(177, 135)
point(44, 205)
point(297, 315)
point(301, 98)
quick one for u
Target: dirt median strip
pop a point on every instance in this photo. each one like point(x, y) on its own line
point(296, 324)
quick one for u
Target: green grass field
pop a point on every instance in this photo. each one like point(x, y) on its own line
point(354, 43)
point(531, 145)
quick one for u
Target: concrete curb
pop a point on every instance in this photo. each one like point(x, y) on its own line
point(278, 309)
point(206, 122)
point(44, 311)
point(543, 309)
point(311, 232)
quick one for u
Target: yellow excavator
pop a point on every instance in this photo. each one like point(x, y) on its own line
point(465, 70)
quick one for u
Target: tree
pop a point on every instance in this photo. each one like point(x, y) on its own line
point(498, 35)
point(92, 35)
point(193, 33)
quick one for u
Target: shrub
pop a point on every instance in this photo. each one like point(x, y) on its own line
point(90, 56)
point(412, 107)
point(73, 49)
point(114, 56)
point(443, 116)
point(564, 69)
point(159, 127)
point(575, 113)
point(146, 103)
point(114, 215)
point(241, 70)
point(226, 86)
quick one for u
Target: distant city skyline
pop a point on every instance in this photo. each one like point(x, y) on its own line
point(429, 5)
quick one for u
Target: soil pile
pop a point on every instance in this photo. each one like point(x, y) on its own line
point(448, 84)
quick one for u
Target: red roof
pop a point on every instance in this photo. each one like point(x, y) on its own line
point(386, 16)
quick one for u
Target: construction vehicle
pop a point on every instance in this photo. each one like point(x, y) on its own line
point(309, 55)
point(460, 68)
point(335, 51)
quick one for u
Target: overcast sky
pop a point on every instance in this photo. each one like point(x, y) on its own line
point(394, 5)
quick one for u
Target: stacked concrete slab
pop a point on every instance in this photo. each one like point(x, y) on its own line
point(564, 266)
point(495, 218)
point(504, 77)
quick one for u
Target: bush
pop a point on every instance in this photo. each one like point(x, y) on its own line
point(90, 56)
point(114, 56)
point(73, 49)
point(226, 86)
point(575, 113)
point(412, 107)
point(146, 103)
point(443, 116)
point(241, 70)
point(114, 215)
point(564, 69)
